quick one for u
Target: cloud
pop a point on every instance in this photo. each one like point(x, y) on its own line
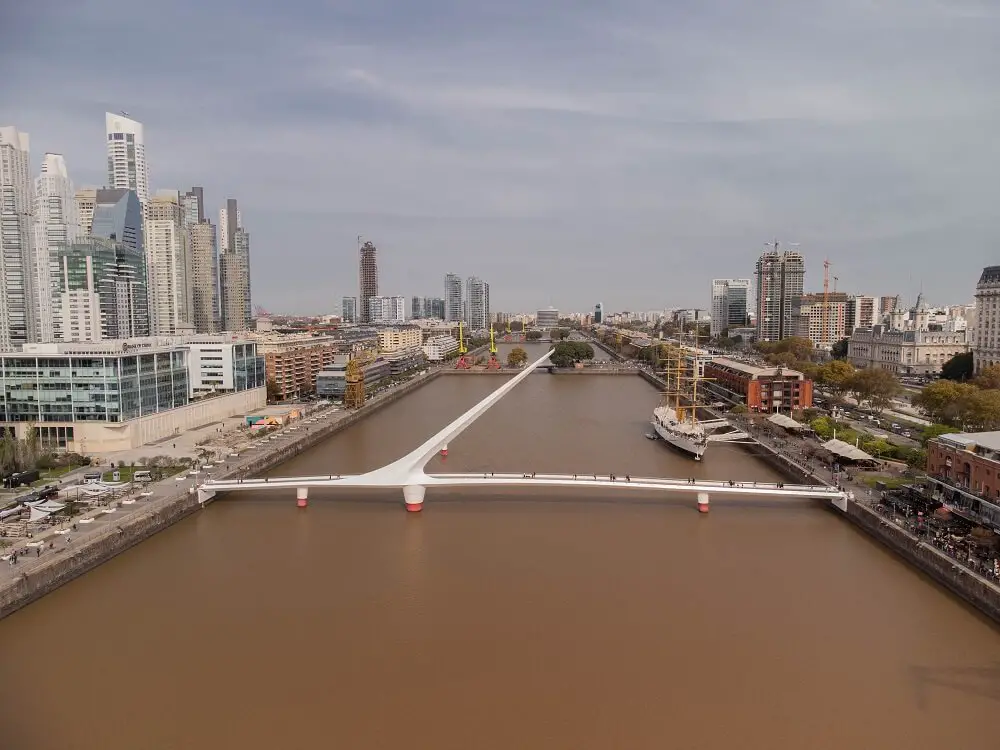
point(565, 151)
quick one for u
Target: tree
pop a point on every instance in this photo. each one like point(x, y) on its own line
point(874, 386)
point(8, 452)
point(989, 377)
point(945, 401)
point(568, 353)
point(933, 430)
point(273, 392)
point(533, 335)
point(959, 367)
point(739, 409)
point(836, 375)
point(559, 334)
point(30, 448)
point(839, 349)
point(517, 357)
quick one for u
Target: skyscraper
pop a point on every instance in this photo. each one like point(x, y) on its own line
point(56, 225)
point(386, 310)
point(367, 278)
point(193, 206)
point(599, 313)
point(100, 281)
point(730, 304)
point(434, 308)
point(234, 269)
point(416, 307)
point(203, 271)
point(127, 168)
point(167, 265)
point(780, 279)
point(453, 307)
point(100, 291)
point(85, 200)
point(17, 322)
point(477, 303)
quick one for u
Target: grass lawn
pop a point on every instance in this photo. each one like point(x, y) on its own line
point(889, 481)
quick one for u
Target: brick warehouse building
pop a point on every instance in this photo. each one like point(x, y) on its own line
point(760, 389)
point(963, 472)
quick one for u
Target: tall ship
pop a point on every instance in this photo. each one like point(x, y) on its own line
point(676, 421)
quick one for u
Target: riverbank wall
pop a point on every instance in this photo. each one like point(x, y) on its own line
point(59, 567)
point(543, 370)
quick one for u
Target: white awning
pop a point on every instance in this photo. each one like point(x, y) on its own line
point(787, 422)
point(846, 450)
point(43, 509)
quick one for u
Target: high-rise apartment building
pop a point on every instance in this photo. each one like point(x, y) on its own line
point(820, 318)
point(730, 305)
point(416, 308)
point(166, 242)
point(386, 310)
point(477, 303)
point(434, 308)
point(453, 303)
point(85, 200)
point(599, 313)
point(861, 312)
point(780, 280)
point(17, 320)
point(203, 277)
point(56, 225)
point(100, 291)
point(127, 168)
point(367, 279)
point(986, 330)
point(193, 206)
point(234, 269)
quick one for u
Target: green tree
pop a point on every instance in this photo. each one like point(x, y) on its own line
point(958, 367)
point(876, 447)
point(273, 392)
point(739, 409)
point(823, 426)
point(533, 335)
point(8, 452)
point(568, 353)
point(559, 334)
point(835, 375)
point(945, 401)
point(30, 448)
point(839, 349)
point(933, 430)
point(517, 357)
point(882, 387)
point(989, 377)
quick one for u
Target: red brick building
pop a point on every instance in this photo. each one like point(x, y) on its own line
point(762, 389)
point(963, 472)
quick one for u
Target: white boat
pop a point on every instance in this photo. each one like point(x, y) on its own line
point(683, 433)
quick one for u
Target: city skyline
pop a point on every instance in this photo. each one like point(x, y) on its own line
point(566, 145)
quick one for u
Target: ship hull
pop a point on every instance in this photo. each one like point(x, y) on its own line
point(683, 443)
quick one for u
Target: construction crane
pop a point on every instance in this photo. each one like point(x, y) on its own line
point(354, 393)
point(494, 363)
point(463, 363)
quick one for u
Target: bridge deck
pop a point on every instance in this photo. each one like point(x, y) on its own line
point(620, 482)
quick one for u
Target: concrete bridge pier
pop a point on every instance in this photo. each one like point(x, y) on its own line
point(703, 502)
point(413, 496)
point(205, 496)
point(302, 497)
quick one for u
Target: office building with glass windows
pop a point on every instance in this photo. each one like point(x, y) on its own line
point(99, 397)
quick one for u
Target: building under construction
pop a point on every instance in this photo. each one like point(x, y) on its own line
point(367, 277)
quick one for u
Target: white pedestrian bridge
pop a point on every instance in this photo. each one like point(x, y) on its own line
point(408, 473)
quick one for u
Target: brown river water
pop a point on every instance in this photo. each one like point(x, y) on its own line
point(504, 620)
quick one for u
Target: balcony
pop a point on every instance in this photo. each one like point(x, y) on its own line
point(964, 500)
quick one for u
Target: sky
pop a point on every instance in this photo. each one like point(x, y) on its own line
point(566, 151)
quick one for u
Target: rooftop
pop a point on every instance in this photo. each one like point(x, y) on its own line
point(756, 370)
point(966, 440)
